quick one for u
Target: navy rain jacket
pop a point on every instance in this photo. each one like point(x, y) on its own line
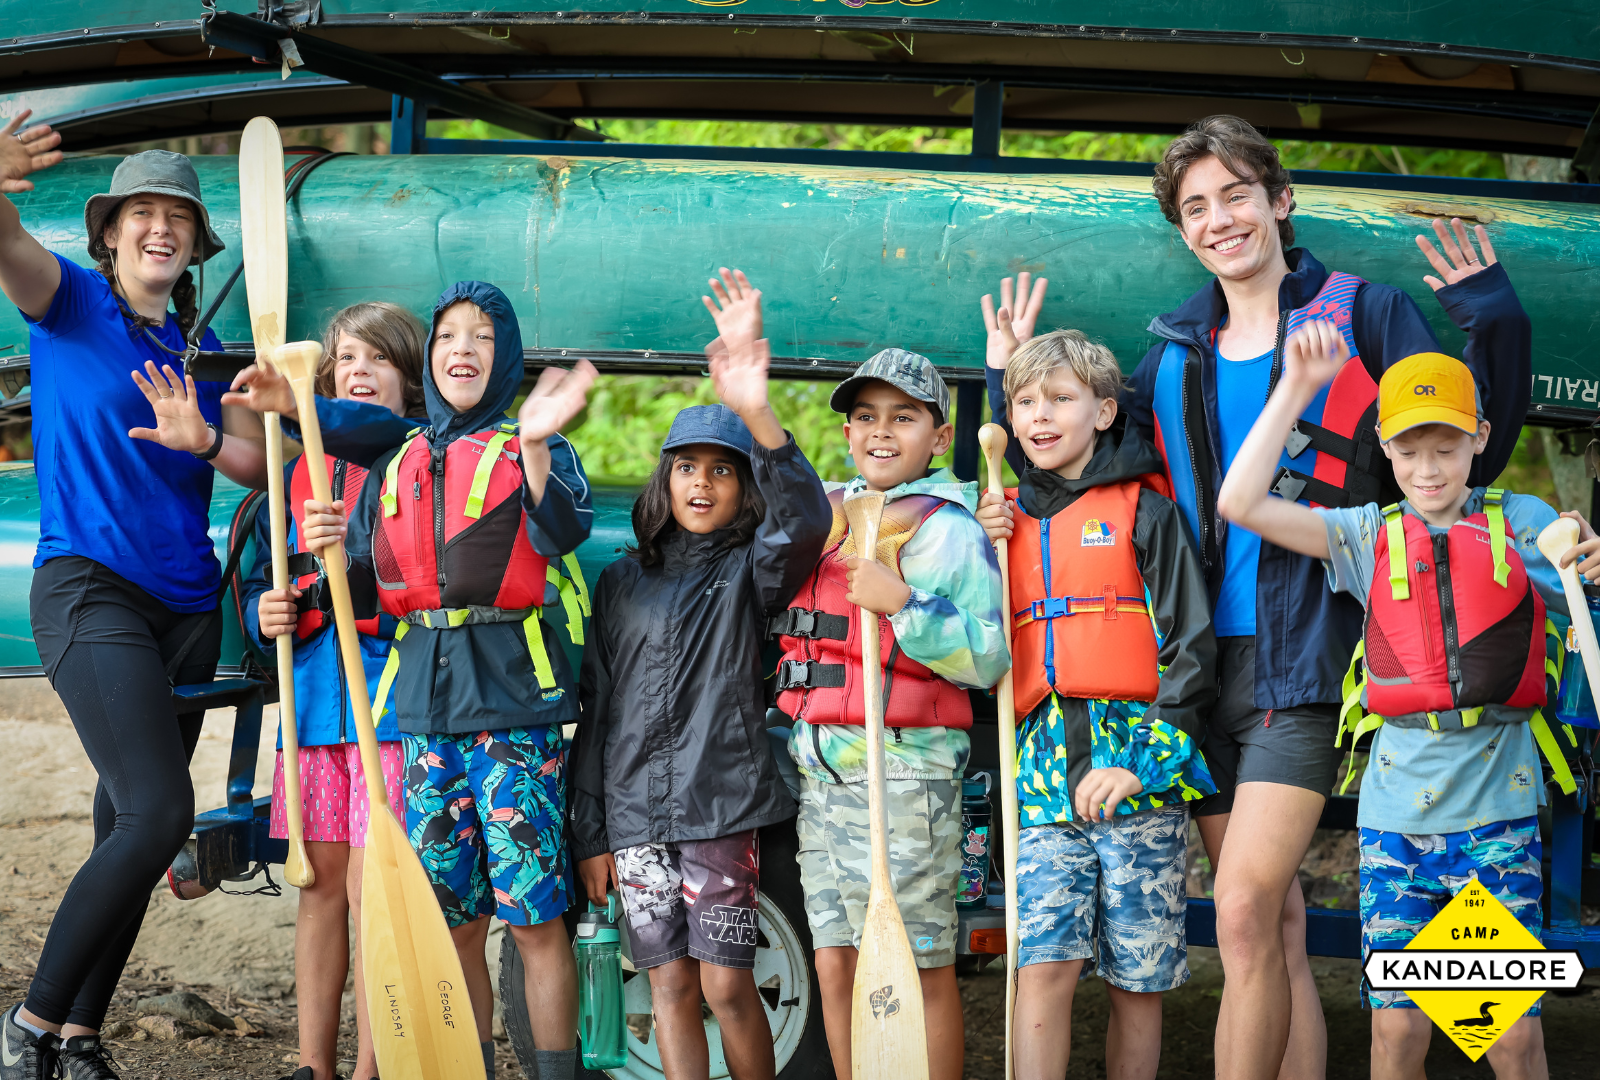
point(477, 677)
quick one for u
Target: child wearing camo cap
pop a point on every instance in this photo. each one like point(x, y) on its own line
point(941, 636)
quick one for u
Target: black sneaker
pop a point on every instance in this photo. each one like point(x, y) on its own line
point(302, 1073)
point(84, 1057)
point(24, 1055)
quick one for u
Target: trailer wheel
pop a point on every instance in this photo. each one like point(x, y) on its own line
point(784, 973)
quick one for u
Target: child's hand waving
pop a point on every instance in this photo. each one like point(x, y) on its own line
point(1314, 354)
point(1010, 327)
point(737, 312)
point(555, 399)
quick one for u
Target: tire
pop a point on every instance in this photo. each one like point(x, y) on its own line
point(785, 976)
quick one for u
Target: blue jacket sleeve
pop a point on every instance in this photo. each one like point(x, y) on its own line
point(994, 382)
point(1137, 400)
point(1500, 354)
point(562, 519)
point(357, 431)
point(259, 580)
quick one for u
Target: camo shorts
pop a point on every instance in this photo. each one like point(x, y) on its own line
point(692, 898)
point(924, 862)
point(1113, 892)
point(1407, 879)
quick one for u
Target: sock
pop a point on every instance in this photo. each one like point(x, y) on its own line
point(488, 1058)
point(16, 1018)
point(556, 1064)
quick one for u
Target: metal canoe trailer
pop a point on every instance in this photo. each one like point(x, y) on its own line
point(858, 249)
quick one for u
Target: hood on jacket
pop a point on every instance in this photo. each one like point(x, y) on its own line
point(1120, 454)
point(504, 379)
point(1191, 322)
point(941, 483)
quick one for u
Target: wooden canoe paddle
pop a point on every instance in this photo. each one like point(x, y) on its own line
point(1558, 538)
point(888, 1035)
point(992, 437)
point(422, 1021)
point(266, 283)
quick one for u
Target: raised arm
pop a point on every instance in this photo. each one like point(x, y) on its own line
point(1006, 330)
point(29, 275)
point(1311, 359)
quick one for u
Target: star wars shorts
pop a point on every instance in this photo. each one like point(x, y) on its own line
point(484, 813)
point(924, 862)
point(1407, 879)
point(1111, 892)
point(694, 898)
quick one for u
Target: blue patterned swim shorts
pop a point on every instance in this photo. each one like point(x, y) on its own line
point(1112, 891)
point(484, 813)
point(1407, 879)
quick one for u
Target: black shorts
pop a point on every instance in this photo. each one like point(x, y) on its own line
point(692, 898)
point(1244, 744)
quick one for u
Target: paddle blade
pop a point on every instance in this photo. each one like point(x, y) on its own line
point(888, 1037)
point(264, 233)
point(422, 1020)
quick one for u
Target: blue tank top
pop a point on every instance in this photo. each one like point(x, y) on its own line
point(133, 506)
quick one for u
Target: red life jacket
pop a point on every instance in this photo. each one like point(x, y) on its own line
point(1081, 615)
point(819, 677)
point(1453, 623)
point(314, 608)
point(452, 533)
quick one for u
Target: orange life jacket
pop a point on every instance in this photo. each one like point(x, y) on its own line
point(1080, 613)
point(345, 481)
point(819, 677)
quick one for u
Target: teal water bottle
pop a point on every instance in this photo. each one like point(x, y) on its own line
point(600, 1013)
point(973, 890)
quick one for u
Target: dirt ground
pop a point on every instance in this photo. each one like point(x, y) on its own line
point(237, 951)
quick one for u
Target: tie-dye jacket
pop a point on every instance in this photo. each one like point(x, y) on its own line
point(951, 624)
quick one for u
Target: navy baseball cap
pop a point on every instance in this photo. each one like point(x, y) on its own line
point(715, 424)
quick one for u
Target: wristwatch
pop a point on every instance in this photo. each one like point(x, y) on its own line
point(216, 444)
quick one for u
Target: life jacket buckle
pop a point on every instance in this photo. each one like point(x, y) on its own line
point(1288, 486)
point(1051, 607)
point(808, 674)
point(1296, 443)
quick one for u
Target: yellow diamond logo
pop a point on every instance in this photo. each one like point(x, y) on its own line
point(1474, 969)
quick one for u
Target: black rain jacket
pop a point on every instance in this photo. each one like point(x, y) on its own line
point(673, 743)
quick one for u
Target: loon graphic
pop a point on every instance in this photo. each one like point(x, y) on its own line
point(1483, 1019)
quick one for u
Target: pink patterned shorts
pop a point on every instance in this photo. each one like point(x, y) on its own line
point(333, 792)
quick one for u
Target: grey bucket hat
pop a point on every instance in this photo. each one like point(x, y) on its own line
point(154, 172)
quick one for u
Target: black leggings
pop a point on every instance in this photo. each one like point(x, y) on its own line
point(107, 646)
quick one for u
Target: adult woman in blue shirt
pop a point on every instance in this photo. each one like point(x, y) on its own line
point(125, 585)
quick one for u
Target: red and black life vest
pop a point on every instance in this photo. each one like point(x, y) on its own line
point(315, 607)
point(1081, 622)
point(1455, 633)
point(819, 677)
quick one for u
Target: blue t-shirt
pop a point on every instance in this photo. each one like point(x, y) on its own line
point(130, 504)
point(1241, 395)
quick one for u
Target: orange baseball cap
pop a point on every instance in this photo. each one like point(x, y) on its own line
point(1427, 388)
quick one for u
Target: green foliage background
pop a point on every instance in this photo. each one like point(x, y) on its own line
point(620, 433)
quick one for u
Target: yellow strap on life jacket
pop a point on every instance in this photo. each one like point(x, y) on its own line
point(1394, 521)
point(570, 561)
point(391, 475)
point(536, 650)
point(1497, 534)
point(569, 601)
point(391, 668)
point(1552, 753)
point(1353, 685)
point(480, 475)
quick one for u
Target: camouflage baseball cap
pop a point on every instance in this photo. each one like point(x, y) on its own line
point(914, 374)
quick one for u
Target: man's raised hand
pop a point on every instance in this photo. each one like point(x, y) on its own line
point(1010, 327)
point(25, 152)
point(556, 398)
point(736, 310)
point(1463, 260)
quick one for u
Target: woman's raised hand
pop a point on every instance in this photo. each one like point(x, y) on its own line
point(736, 311)
point(179, 425)
point(555, 399)
point(25, 152)
point(262, 389)
point(1463, 260)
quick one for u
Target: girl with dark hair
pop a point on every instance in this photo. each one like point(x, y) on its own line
point(671, 770)
point(126, 581)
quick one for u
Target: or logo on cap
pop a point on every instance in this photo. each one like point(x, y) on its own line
point(1426, 391)
point(1098, 533)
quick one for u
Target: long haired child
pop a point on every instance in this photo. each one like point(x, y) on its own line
point(372, 352)
point(671, 772)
